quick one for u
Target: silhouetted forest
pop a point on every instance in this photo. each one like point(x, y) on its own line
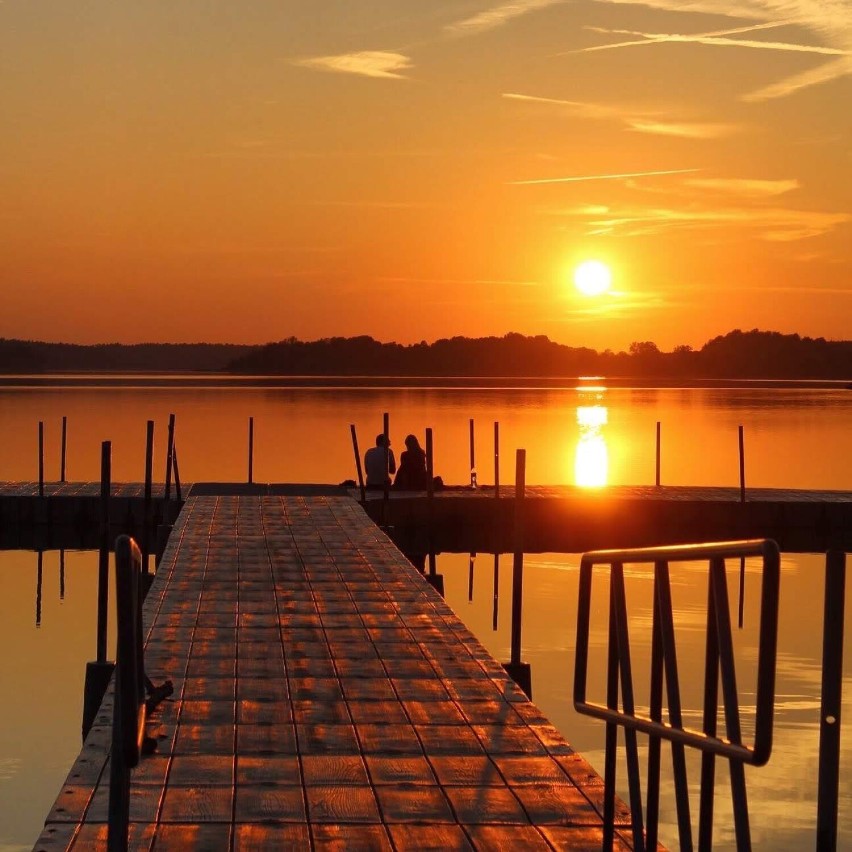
point(30, 356)
point(738, 354)
point(752, 354)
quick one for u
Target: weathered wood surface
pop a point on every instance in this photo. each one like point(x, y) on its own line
point(325, 697)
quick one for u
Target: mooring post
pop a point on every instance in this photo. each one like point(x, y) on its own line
point(471, 560)
point(430, 473)
point(39, 572)
point(41, 458)
point(103, 555)
point(472, 456)
point(177, 471)
point(147, 520)
point(496, 592)
point(62, 575)
point(169, 451)
point(657, 478)
point(63, 448)
point(358, 463)
point(251, 451)
point(831, 700)
point(434, 579)
point(518, 670)
point(99, 672)
point(386, 493)
point(741, 607)
point(496, 458)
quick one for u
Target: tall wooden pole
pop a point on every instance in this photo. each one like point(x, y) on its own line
point(147, 520)
point(657, 479)
point(251, 451)
point(472, 456)
point(169, 451)
point(62, 451)
point(103, 555)
point(41, 458)
point(358, 462)
point(518, 566)
point(496, 459)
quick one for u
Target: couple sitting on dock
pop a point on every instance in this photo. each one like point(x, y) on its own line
point(379, 462)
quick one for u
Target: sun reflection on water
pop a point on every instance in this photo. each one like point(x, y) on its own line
point(591, 460)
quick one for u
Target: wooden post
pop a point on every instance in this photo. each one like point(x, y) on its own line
point(518, 565)
point(741, 609)
point(496, 590)
point(657, 481)
point(38, 587)
point(169, 452)
point(62, 451)
point(742, 466)
point(358, 463)
point(41, 458)
point(103, 560)
point(177, 472)
point(386, 432)
point(147, 520)
point(251, 451)
point(430, 469)
point(519, 671)
point(496, 459)
point(831, 699)
point(471, 560)
point(62, 575)
point(472, 456)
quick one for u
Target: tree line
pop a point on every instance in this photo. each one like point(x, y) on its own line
point(739, 354)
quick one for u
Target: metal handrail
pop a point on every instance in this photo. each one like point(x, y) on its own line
point(719, 661)
point(131, 708)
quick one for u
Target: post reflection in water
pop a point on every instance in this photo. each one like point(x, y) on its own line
point(591, 460)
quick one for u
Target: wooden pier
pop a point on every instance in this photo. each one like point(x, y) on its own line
point(325, 697)
point(564, 519)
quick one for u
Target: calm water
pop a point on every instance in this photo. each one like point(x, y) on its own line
point(794, 438)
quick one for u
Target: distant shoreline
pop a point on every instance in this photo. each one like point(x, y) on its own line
point(219, 379)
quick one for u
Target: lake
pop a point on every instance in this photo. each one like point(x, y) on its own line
point(580, 432)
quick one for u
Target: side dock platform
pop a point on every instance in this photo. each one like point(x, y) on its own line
point(326, 697)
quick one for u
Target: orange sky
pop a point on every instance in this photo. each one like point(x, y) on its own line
point(409, 170)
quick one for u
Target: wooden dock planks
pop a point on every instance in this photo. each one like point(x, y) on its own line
point(325, 697)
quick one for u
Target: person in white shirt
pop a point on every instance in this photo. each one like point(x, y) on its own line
point(379, 462)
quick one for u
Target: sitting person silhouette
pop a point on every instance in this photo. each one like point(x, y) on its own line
point(412, 474)
point(379, 462)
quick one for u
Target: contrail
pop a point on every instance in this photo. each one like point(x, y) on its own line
point(576, 178)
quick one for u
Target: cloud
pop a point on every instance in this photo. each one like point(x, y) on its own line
point(639, 121)
point(719, 38)
point(774, 224)
point(684, 130)
point(747, 187)
point(366, 63)
point(814, 77)
point(623, 176)
point(497, 16)
point(830, 20)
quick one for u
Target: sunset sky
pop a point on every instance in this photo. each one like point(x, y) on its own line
point(190, 170)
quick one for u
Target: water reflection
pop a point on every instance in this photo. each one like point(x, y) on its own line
point(591, 459)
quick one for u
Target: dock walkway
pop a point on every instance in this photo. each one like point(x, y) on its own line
point(325, 697)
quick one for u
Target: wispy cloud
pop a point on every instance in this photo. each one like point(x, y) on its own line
point(497, 16)
point(830, 20)
point(814, 77)
point(366, 63)
point(621, 176)
point(746, 187)
point(774, 224)
point(682, 129)
point(718, 38)
point(638, 121)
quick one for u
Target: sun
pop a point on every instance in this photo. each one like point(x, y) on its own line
point(592, 278)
